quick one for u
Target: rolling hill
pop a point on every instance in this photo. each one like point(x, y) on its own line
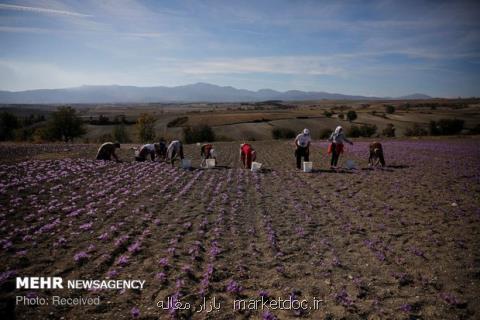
point(198, 92)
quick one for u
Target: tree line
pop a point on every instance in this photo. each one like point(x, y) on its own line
point(65, 125)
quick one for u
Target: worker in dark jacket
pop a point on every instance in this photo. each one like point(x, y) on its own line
point(376, 154)
point(107, 151)
point(162, 149)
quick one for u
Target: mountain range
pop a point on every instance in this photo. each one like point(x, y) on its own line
point(198, 92)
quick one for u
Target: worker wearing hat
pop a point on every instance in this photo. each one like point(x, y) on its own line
point(302, 147)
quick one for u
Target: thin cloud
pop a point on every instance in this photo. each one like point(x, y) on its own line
point(288, 65)
point(42, 10)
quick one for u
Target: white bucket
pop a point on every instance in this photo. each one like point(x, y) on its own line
point(186, 163)
point(210, 163)
point(256, 166)
point(350, 164)
point(307, 166)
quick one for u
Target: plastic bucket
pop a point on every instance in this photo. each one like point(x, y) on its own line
point(350, 164)
point(186, 163)
point(210, 163)
point(256, 166)
point(307, 166)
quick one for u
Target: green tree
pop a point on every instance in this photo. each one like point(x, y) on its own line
point(415, 131)
point(8, 123)
point(362, 131)
point(120, 133)
point(64, 125)
point(325, 134)
point(351, 115)
point(283, 133)
point(146, 127)
point(389, 130)
point(203, 133)
point(327, 113)
point(433, 128)
point(450, 126)
point(389, 109)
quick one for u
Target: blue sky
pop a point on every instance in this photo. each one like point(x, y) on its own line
point(379, 48)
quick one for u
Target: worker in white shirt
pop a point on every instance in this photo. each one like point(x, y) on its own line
point(302, 144)
point(151, 149)
point(174, 148)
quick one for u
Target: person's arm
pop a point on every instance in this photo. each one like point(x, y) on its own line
point(115, 156)
point(331, 138)
point(296, 142)
point(181, 151)
point(346, 140)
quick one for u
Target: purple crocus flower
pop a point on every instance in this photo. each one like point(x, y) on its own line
point(263, 294)
point(112, 273)
point(406, 308)
point(122, 260)
point(103, 236)
point(450, 299)
point(135, 247)
point(135, 312)
point(267, 315)
point(234, 287)
point(164, 263)
point(7, 275)
point(81, 257)
point(86, 226)
point(343, 298)
point(161, 276)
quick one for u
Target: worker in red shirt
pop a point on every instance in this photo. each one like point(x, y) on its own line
point(247, 155)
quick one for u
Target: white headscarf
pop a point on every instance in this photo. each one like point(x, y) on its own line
point(338, 129)
point(306, 131)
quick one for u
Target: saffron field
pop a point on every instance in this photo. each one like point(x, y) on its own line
point(400, 242)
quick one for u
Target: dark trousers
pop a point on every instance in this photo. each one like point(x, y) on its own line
point(335, 155)
point(299, 153)
point(103, 157)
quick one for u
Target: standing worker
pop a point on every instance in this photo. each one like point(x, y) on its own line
point(337, 138)
point(302, 144)
point(107, 151)
point(174, 148)
point(247, 155)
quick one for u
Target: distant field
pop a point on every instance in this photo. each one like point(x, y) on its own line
point(255, 121)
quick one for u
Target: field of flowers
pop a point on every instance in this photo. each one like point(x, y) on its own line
point(400, 242)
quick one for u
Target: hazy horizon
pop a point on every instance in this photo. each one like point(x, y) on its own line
point(374, 48)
